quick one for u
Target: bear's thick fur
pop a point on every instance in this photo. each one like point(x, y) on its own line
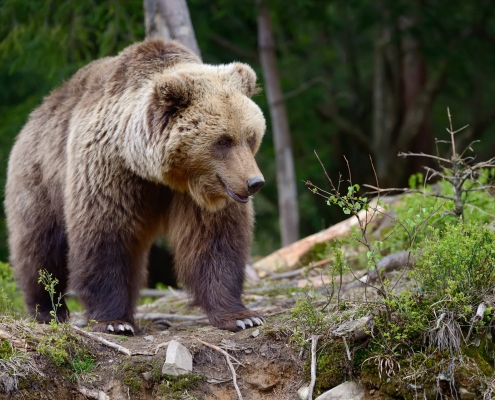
point(146, 143)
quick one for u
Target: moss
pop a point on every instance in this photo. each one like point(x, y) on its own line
point(133, 382)
point(156, 371)
point(331, 365)
point(481, 357)
point(173, 387)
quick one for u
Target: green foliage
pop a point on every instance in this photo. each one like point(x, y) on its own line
point(457, 265)
point(81, 365)
point(6, 350)
point(454, 271)
point(50, 284)
point(406, 328)
point(336, 270)
point(10, 298)
point(59, 345)
point(308, 318)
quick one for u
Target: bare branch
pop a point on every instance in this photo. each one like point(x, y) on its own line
point(115, 346)
point(410, 154)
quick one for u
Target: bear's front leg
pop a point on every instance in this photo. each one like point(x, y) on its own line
point(211, 251)
point(106, 277)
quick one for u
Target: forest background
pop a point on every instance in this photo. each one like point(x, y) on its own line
point(360, 78)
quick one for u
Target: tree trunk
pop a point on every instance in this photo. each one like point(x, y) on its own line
point(170, 20)
point(156, 27)
point(286, 181)
point(413, 82)
point(167, 20)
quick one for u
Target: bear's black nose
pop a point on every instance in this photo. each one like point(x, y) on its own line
point(254, 184)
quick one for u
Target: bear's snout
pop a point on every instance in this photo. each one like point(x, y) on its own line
point(255, 184)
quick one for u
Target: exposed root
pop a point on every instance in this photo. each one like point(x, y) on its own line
point(227, 357)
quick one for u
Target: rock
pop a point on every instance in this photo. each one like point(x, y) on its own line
point(303, 393)
point(93, 394)
point(147, 376)
point(149, 338)
point(178, 361)
point(355, 329)
point(346, 390)
point(263, 383)
point(255, 333)
point(464, 394)
point(103, 396)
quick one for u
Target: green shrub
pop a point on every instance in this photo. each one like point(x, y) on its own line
point(10, 298)
point(458, 264)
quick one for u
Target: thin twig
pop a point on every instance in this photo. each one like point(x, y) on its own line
point(227, 357)
point(410, 154)
point(172, 317)
point(300, 271)
point(314, 342)
point(102, 341)
point(347, 348)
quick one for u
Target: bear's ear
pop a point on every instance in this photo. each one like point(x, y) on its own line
point(173, 92)
point(242, 77)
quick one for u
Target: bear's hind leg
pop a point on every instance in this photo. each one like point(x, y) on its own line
point(40, 245)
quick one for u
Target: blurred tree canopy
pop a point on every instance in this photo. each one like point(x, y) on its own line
point(345, 69)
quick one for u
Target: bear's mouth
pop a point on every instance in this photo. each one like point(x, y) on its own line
point(235, 196)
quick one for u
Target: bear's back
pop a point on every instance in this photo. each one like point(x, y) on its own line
point(39, 155)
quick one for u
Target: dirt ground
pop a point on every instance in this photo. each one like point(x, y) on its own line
point(269, 365)
point(270, 369)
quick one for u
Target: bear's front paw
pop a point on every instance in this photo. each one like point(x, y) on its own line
point(115, 327)
point(250, 322)
point(237, 321)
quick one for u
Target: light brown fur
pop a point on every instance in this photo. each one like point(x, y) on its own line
point(129, 148)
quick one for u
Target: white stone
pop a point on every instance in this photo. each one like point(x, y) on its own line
point(147, 376)
point(149, 338)
point(303, 393)
point(178, 361)
point(255, 333)
point(346, 390)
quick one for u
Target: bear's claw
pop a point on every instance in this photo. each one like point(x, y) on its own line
point(121, 328)
point(115, 328)
point(251, 321)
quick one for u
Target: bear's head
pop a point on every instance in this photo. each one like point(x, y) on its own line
point(203, 130)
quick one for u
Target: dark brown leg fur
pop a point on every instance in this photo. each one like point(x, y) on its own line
point(109, 240)
point(36, 249)
point(210, 257)
point(106, 277)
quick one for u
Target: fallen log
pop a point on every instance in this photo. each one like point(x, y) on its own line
point(288, 257)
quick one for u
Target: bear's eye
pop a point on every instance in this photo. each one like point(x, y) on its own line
point(252, 142)
point(225, 142)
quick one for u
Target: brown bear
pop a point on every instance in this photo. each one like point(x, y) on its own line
point(150, 142)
